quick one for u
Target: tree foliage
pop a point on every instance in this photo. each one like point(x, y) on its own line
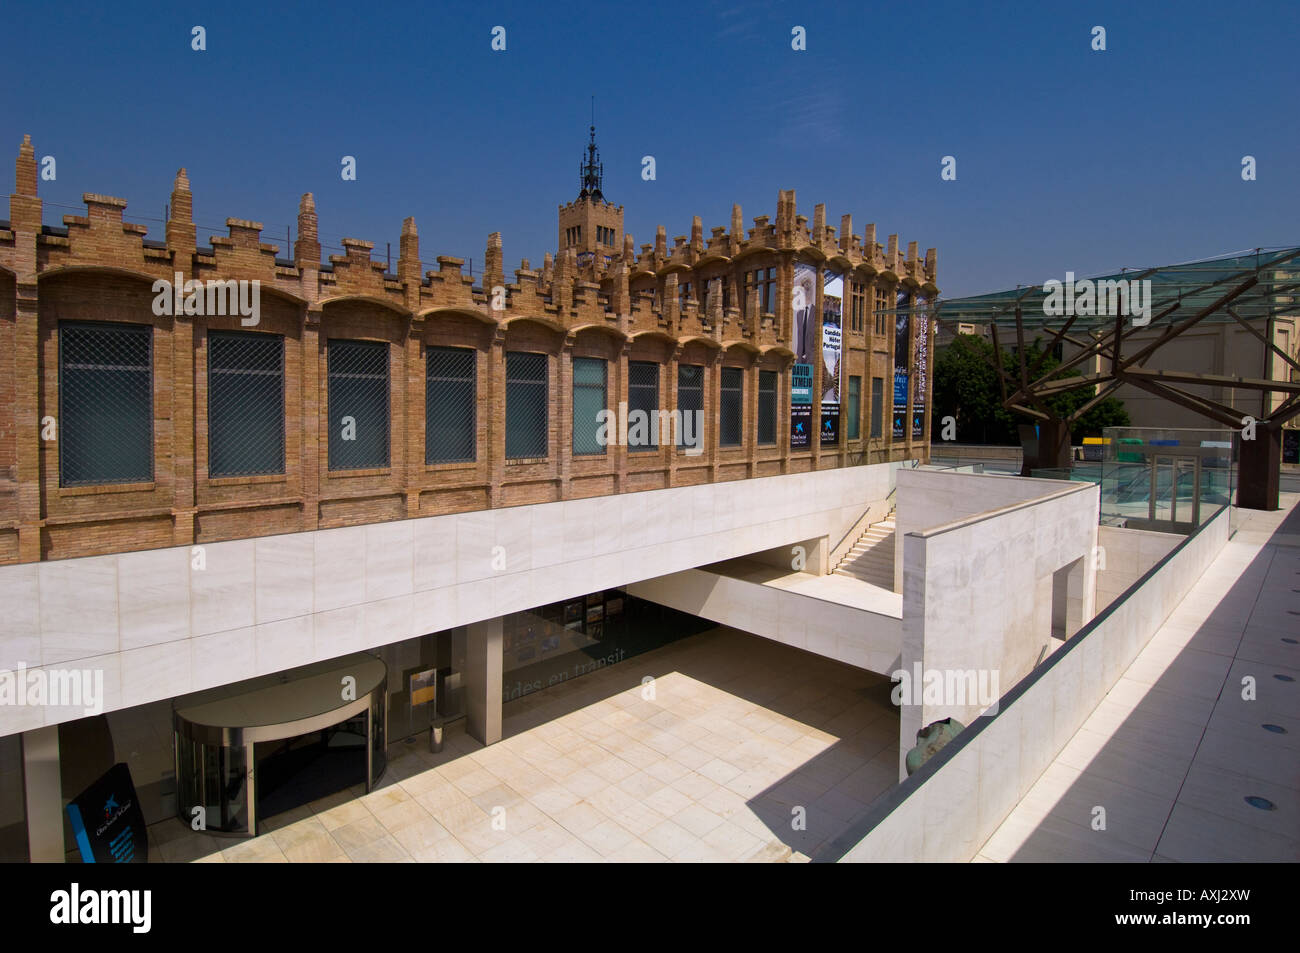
point(966, 388)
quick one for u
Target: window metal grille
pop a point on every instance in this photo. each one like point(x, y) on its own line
point(358, 404)
point(527, 413)
point(589, 376)
point(731, 407)
point(855, 407)
point(690, 399)
point(245, 403)
point(643, 395)
point(105, 404)
point(877, 406)
point(450, 411)
point(767, 407)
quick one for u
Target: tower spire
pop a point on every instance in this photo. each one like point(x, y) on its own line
point(592, 172)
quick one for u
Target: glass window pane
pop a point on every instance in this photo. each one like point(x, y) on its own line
point(877, 406)
point(245, 403)
point(690, 400)
point(643, 396)
point(855, 406)
point(588, 403)
point(731, 408)
point(450, 411)
point(767, 407)
point(527, 413)
point(358, 404)
point(105, 404)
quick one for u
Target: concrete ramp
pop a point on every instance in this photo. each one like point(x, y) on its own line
point(833, 616)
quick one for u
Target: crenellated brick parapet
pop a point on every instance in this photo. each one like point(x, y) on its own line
point(711, 302)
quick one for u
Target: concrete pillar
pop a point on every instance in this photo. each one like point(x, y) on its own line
point(483, 672)
point(43, 795)
point(1259, 473)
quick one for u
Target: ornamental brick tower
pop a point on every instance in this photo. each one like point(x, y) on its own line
point(590, 225)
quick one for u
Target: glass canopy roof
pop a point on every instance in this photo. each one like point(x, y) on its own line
point(1192, 286)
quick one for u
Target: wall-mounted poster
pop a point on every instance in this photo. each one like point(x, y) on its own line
point(901, 357)
point(424, 687)
point(832, 352)
point(801, 387)
point(107, 822)
point(919, 354)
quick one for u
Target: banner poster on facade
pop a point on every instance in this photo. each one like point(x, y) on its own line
point(919, 355)
point(801, 388)
point(900, 366)
point(832, 352)
point(803, 302)
point(107, 821)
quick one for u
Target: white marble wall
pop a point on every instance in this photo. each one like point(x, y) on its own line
point(950, 816)
point(1126, 554)
point(977, 595)
point(157, 626)
point(928, 498)
point(845, 633)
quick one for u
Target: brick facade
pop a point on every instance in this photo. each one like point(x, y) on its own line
point(619, 307)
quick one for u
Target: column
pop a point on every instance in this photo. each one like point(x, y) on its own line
point(483, 673)
point(43, 795)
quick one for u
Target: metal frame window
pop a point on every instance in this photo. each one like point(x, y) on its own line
point(245, 403)
point(450, 408)
point(643, 395)
point(877, 406)
point(105, 403)
point(858, 303)
point(359, 410)
point(731, 407)
point(527, 405)
point(765, 280)
point(882, 306)
point(766, 407)
point(590, 376)
point(690, 397)
point(855, 408)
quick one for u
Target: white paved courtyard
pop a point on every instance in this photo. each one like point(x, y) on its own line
point(747, 751)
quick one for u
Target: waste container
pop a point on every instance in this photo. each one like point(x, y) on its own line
point(435, 737)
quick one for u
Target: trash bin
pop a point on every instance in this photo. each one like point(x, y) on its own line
point(435, 737)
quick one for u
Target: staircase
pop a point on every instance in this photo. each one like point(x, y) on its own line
point(872, 557)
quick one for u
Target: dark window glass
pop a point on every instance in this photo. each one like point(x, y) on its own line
point(877, 406)
point(588, 402)
point(358, 404)
point(450, 411)
point(731, 407)
point(527, 413)
point(105, 404)
point(855, 407)
point(690, 400)
point(643, 395)
point(767, 407)
point(245, 403)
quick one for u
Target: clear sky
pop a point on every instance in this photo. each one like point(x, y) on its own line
point(1066, 158)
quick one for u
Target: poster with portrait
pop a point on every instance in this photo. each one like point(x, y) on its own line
point(803, 300)
point(832, 352)
point(921, 324)
point(901, 358)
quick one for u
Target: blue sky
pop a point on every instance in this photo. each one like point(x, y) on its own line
point(1067, 159)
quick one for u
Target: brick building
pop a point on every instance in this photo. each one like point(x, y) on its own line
point(125, 429)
